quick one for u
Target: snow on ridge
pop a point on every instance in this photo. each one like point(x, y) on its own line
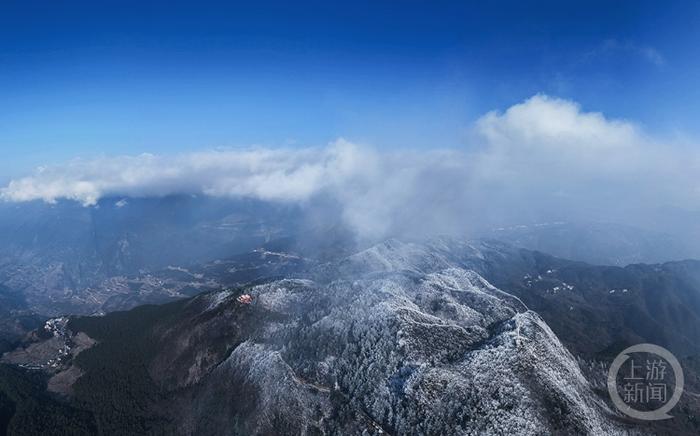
point(218, 298)
point(394, 255)
point(429, 337)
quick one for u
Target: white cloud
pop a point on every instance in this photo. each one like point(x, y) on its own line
point(285, 175)
point(552, 139)
point(544, 157)
point(612, 47)
point(548, 156)
point(558, 124)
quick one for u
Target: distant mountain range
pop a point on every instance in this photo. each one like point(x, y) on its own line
point(600, 243)
point(53, 252)
point(66, 258)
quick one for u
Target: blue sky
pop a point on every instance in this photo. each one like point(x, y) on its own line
point(87, 78)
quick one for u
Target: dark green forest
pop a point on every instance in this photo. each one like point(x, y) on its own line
point(114, 396)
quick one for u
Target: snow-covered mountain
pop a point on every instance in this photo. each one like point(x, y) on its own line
point(444, 336)
point(397, 352)
point(395, 339)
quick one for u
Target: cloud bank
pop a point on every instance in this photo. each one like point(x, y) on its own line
point(543, 158)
